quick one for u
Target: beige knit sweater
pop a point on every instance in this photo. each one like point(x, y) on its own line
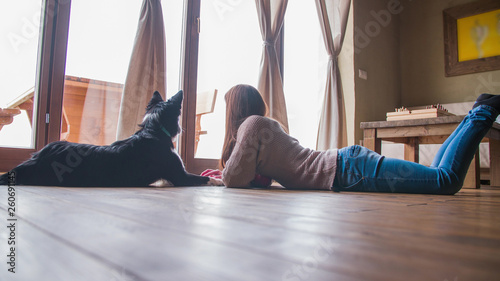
point(262, 147)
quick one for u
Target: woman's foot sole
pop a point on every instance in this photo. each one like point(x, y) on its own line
point(488, 99)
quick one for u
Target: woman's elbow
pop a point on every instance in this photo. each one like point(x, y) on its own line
point(236, 178)
point(228, 182)
point(234, 181)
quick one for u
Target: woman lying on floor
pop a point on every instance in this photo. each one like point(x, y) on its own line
point(256, 147)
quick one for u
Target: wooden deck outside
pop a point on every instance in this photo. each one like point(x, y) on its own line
point(217, 233)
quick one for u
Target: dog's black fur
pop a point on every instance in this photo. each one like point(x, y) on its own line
point(140, 160)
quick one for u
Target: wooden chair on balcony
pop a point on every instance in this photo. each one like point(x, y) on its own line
point(13, 108)
point(25, 102)
point(7, 116)
point(205, 104)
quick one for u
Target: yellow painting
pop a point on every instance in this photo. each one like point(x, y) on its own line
point(478, 36)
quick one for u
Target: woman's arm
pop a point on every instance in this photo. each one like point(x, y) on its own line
point(241, 166)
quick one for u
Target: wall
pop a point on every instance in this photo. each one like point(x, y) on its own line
point(422, 59)
point(399, 43)
point(376, 45)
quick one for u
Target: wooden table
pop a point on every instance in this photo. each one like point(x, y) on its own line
point(412, 133)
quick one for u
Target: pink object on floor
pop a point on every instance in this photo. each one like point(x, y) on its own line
point(212, 173)
point(261, 181)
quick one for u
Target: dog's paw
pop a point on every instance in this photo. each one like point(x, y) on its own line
point(161, 183)
point(214, 181)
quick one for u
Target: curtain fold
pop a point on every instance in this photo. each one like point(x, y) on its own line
point(332, 131)
point(271, 14)
point(147, 69)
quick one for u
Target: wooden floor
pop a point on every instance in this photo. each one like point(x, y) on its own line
point(216, 233)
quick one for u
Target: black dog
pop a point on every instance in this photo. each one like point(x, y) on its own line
point(140, 160)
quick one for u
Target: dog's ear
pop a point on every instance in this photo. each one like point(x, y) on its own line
point(177, 99)
point(154, 100)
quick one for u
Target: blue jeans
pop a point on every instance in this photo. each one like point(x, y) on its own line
point(360, 169)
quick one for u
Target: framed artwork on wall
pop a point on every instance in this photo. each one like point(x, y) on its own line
point(472, 37)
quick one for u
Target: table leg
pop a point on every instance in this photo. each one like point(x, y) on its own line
point(494, 162)
point(411, 150)
point(370, 140)
point(472, 179)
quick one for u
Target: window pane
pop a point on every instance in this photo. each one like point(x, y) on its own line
point(230, 48)
point(305, 62)
point(19, 32)
point(97, 63)
point(173, 13)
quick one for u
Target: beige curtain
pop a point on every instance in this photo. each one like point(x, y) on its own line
point(332, 132)
point(271, 14)
point(147, 69)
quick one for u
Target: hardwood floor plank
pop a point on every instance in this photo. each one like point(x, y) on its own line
point(41, 256)
point(151, 250)
point(358, 236)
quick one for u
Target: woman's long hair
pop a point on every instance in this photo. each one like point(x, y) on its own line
point(242, 101)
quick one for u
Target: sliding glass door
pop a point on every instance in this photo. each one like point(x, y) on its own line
point(29, 60)
point(59, 86)
point(96, 67)
point(20, 25)
point(99, 53)
point(228, 53)
point(77, 100)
